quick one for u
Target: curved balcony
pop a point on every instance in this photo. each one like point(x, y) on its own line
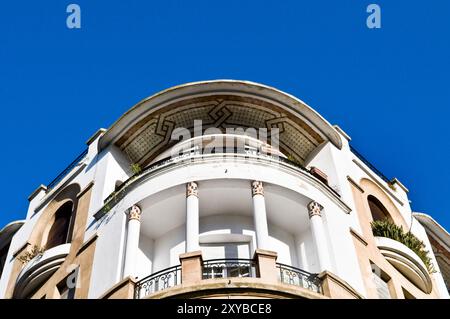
point(406, 262)
point(166, 278)
point(39, 269)
point(190, 158)
point(246, 275)
point(298, 277)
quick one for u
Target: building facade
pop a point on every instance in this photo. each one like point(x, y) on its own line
point(218, 189)
point(440, 244)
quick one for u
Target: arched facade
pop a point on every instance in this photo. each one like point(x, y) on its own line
point(381, 260)
point(377, 196)
point(65, 203)
point(216, 189)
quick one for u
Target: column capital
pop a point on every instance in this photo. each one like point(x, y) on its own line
point(191, 189)
point(134, 213)
point(257, 188)
point(314, 209)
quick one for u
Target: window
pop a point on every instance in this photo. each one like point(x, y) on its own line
point(378, 211)
point(226, 264)
point(65, 292)
point(61, 230)
point(381, 282)
point(225, 250)
point(67, 287)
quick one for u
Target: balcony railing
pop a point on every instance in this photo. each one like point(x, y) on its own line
point(67, 170)
point(226, 268)
point(160, 280)
point(368, 164)
point(298, 277)
point(120, 193)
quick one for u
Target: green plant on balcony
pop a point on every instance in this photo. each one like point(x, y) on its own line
point(291, 158)
point(28, 255)
point(136, 168)
point(386, 228)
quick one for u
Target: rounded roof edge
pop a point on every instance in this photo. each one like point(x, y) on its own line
point(8, 231)
point(145, 106)
point(436, 228)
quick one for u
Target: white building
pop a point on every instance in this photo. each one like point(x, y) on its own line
point(265, 198)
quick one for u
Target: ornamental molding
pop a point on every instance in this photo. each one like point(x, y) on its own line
point(191, 189)
point(314, 209)
point(135, 213)
point(257, 188)
point(151, 135)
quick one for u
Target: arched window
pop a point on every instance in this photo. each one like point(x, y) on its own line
point(378, 211)
point(60, 232)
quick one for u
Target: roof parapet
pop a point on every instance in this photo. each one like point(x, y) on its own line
point(396, 181)
point(97, 134)
point(342, 132)
point(37, 191)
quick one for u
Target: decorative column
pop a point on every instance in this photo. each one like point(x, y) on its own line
point(132, 245)
point(260, 216)
point(192, 217)
point(318, 233)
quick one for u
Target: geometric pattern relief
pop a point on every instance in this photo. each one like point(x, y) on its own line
point(152, 135)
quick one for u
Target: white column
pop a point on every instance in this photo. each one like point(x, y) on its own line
point(132, 245)
point(318, 233)
point(192, 217)
point(260, 216)
point(302, 259)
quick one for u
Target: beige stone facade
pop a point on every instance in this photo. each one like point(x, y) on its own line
point(367, 249)
point(139, 216)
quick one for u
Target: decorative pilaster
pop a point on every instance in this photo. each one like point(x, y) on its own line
point(257, 188)
point(314, 209)
point(319, 236)
point(191, 189)
point(134, 213)
point(132, 244)
point(260, 215)
point(192, 217)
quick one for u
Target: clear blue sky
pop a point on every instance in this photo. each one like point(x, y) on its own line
point(387, 88)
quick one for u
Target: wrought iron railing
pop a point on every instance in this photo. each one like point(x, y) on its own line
point(226, 268)
point(368, 164)
point(67, 170)
point(298, 277)
point(160, 280)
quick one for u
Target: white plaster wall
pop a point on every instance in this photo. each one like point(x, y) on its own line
point(322, 159)
point(108, 257)
point(144, 260)
point(164, 251)
point(344, 260)
point(110, 166)
point(283, 243)
point(279, 240)
point(306, 252)
point(228, 224)
point(167, 249)
point(335, 163)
